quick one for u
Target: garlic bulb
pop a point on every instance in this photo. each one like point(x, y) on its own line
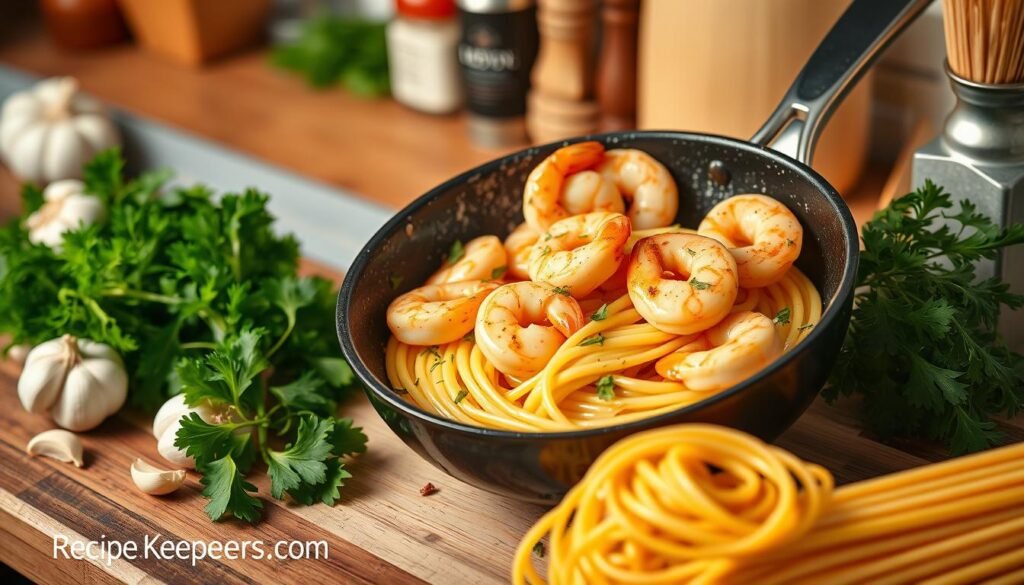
point(66, 207)
point(167, 422)
point(80, 382)
point(49, 131)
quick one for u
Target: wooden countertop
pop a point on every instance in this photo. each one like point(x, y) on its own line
point(382, 530)
point(377, 149)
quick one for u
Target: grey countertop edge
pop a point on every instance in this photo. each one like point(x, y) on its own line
point(331, 223)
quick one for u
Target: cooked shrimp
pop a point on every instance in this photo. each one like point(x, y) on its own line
point(588, 191)
point(542, 196)
point(482, 258)
point(740, 346)
point(645, 183)
point(580, 252)
point(763, 235)
point(522, 324)
point(517, 248)
point(437, 313)
point(682, 283)
point(638, 235)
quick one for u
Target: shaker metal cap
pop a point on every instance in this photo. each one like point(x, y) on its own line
point(494, 6)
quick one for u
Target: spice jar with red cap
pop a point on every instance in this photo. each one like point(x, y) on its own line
point(423, 54)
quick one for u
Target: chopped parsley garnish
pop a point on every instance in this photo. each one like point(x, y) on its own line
point(606, 387)
point(456, 252)
point(782, 317)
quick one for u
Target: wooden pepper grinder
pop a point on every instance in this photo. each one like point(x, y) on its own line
point(561, 102)
point(616, 65)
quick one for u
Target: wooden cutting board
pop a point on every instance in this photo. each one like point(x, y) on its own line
point(381, 531)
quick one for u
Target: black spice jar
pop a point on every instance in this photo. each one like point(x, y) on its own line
point(496, 52)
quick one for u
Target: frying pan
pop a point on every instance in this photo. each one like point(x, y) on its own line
point(488, 200)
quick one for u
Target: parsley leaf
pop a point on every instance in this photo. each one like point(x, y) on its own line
point(561, 290)
point(601, 313)
point(305, 393)
point(606, 387)
point(922, 349)
point(203, 441)
point(303, 461)
point(499, 272)
point(347, 439)
point(596, 339)
point(228, 491)
point(699, 284)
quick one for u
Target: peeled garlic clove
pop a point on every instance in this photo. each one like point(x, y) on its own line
point(155, 481)
point(58, 444)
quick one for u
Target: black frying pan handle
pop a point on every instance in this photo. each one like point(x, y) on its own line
point(860, 34)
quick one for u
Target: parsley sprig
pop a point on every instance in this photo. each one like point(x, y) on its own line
point(922, 349)
point(199, 296)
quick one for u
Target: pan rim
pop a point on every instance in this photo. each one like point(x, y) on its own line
point(830, 313)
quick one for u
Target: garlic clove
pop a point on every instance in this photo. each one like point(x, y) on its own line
point(112, 377)
point(80, 406)
point(155, 481)
point(60, 190)
point(171, 411)
point(58, 444)
point(26, 160)
point(165, 446)
point(19, 353)
point(41, 378)
point(83, 209)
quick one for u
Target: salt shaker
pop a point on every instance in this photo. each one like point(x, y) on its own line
point(422, 44)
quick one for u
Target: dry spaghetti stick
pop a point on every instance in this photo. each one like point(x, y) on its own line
point(1011, 578)
point(848, 554)
point(942, 556)
point(974, 573)
point(963, 476)
point(922, 499)
point(922, 475)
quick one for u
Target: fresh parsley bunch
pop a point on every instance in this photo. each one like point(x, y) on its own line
point(333, 50)
point(922, 348)
point(199, 296)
